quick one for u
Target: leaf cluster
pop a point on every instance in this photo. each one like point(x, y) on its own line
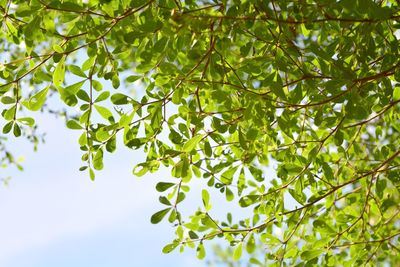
point(287, 108)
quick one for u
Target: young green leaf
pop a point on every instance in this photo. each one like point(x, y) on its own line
point(169, 248)
point(396, 93)
point(59, 73)
point(140, 169)
point(9, 114)
point(237, 253)
point(103, 96)
point(201, 252)
point(68, 93)
point(132, 78)
point(76, 70)
point(192, 143)
point(115, 81)
point(74, 125)
point(311, 254)
point(58, 48)
point(37, 101)
point(228, 194)
point(27, 121)
point(98, 160)
point(227, 176)
point(91, 174)
point(251, 244)
point(205, 196)
point(104, 112)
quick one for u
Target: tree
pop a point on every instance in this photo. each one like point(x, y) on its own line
point(220, 90)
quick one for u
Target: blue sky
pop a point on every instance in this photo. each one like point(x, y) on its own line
point(53, 215)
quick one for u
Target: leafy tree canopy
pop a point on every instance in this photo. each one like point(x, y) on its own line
point(218, 90)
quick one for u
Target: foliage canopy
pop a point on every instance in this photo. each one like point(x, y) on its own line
point(226, 89)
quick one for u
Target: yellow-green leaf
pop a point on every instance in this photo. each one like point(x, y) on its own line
point(191, 143)
point(59, 73)
point(237, 253)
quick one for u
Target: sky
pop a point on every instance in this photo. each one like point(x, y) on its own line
point(53, 215)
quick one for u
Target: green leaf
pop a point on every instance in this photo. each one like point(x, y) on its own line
point(192, 143)
point(169, 248)
point(248, 200)
point(255, 261)
point(103, 96)
point(72, 89)
point(83, 96)
point(59, 73)
point(158, 216)
point(205, 196)
point(162, 186)
point(277, 89)
point(396, 93)
point(88, 63)
point(76, 70)
point(380, 187)
point(140, 169)
point(251, 134)
point(9, 114)
point(68, 93)
point(104, 112)
point(311, 254)
point(115, 81)
point(298, 196)
point(126, 119)
point(237, 253)
point(27, 121)
point(292, 169)
point(164, 200)
point(7, 128)
point(102, 134)
point(92, 175)
point(7, 100)
point(172, 216)
point(58, 48)
point(74, 125)
point(327, 171)
point(228, 194)
point(83, 168)
point(11, 27)
point(17, 130)
point(98, 86)
point(98, 160)
point(132, 78)
point(111, 144)
point(119, 99)
point(227, 176)
point(193, 235)
point(251, 244)
point(201, 253)
point(37, 101)
point(207, 149)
